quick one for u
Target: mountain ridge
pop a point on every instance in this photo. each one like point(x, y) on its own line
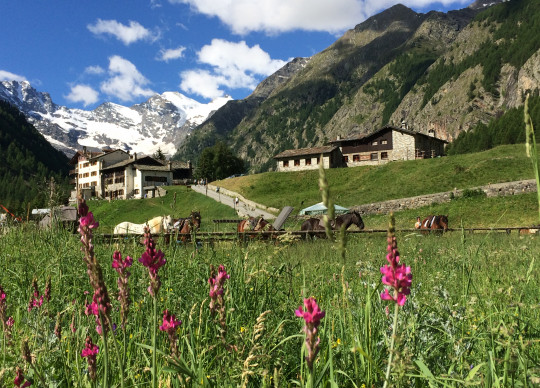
point(161, 122)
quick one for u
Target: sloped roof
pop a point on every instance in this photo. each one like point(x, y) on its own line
point(376, 132)
point(306, 151)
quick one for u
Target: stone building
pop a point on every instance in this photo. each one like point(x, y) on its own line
point(308, 158)
point(387, 144)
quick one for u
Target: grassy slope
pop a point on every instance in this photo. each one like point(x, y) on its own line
point(138, 211)
point(360, 185)
point(352, 186)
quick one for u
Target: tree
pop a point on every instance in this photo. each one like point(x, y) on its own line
point(218, 162)
point(159, 155)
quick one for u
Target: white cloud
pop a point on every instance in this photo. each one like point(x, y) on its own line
point(202, 82)
point(83, 93)
point(275, 16)
point(167, 55)
point(94, 70)
point(125, 82)
point(125, 33)
point(7, 76)
point(234, 65)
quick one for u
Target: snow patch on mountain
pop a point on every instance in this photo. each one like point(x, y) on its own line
point(161, 122)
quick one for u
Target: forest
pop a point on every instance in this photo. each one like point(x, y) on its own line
point(28, 165)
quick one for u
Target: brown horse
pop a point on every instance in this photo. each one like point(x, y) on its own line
point(435, 223)
point(254, 224)
point(185, 226)
point(346, 220)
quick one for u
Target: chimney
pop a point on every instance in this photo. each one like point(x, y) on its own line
point(170, 166)
point(338, 137)
point(134, 156)
point(84, 150)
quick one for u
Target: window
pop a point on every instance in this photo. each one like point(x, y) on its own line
point(308, 161)
point(297, 162)
point(136, 191)
point(373, 156)
point(119, 179)
point(375, 142)
point(86, 175)
point(318, 160)
point(93, 163)
point(94, 183)
point(345, 158)
point(384, 155)
point(86, 164)
point(285, 163)
point(356, 158)
point(154, 178)
point(384, 141)
point(94, 173)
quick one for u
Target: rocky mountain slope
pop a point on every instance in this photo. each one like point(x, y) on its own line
point(437, 71)
point(163, 121)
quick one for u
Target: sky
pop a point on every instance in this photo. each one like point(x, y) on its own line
point(84, 53)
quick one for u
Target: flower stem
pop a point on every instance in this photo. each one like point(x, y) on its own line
point(154, 353)
point(392, 341)
point(118, 356)
point(105, 351)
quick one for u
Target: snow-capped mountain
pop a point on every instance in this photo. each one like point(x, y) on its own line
point(163, 121)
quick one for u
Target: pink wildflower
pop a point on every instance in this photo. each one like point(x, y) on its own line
point(90, 351)
point(170, 323)
point(19, 379)
point(123, 290)
point(37, 299)
point(396, 276)
point(3, 305)
point(153, 260)
point(312, 317)
point(10, 322)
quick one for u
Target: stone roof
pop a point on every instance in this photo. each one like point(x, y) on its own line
point(316, 151)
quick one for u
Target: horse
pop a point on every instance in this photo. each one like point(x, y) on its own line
point(184, 226)
point(156, 225)
point(254, 224)
point(438, 223)
point(346, 220)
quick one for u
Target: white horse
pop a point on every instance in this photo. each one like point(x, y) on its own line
point(156, 225)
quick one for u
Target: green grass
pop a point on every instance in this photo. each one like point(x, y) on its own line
point(139, 211)
point(472, 317)
point(362, 185)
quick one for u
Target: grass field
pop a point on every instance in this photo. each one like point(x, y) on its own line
point(472, 318)
point(361, 185)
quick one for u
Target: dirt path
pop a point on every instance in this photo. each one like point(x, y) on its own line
point(242, 209)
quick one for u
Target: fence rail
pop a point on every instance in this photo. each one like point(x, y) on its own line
point(227, 236)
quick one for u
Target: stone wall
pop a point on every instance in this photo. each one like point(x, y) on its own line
point(494, 190)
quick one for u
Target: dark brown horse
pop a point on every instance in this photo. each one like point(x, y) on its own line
point(436, 223)
point(346, 220)
point(255, 225)
point(185, 226)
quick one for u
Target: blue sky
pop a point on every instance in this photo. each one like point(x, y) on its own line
point(85, 53)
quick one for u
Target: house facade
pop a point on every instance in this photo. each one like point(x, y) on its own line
point(135, 178)
point(86, 174)
point(387, 144)
point(308, 158)
point(116, 174)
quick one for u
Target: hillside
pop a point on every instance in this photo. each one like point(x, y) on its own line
point(27, 164)
point(441, 71)
point(362, 185)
